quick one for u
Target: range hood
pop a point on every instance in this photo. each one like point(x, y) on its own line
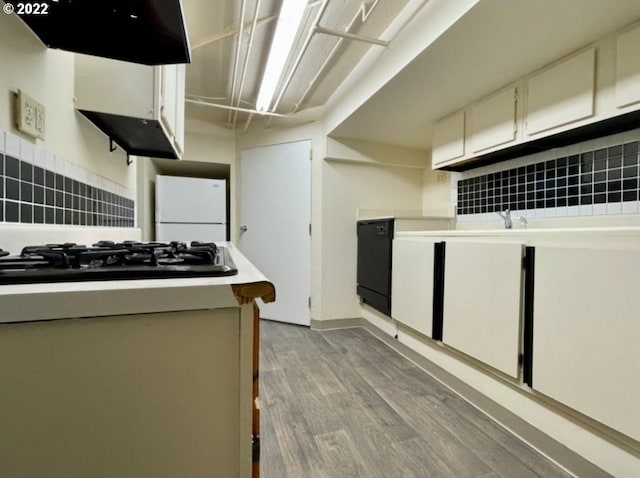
point(150, 32)
point(137, 136)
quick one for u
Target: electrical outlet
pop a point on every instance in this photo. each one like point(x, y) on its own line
point(29, 116)
point(442, 177)
point(40, 120)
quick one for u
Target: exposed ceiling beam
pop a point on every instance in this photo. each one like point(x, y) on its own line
point(246, 60)
point(236, 56)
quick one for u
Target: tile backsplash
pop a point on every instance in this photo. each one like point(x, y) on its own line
point(595, 177)
point(37, 187)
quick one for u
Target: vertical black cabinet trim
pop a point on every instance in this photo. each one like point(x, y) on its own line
point(438, 290)
point(527, 347)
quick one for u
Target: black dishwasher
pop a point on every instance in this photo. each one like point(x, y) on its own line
point(375, 239)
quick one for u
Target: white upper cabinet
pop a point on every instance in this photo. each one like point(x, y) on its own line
point(492, 121)
point(140, 107)
point(448, 139)
point(113, 86)
point(628, 68)
point(172, 81)
point(597, 83)
point(562, 94)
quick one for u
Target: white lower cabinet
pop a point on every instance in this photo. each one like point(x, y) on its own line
point(582, 306)
point(586, 333)
point(482, 302)
point(412, 283)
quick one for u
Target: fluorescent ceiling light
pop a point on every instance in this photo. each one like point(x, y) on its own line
point(288, 23)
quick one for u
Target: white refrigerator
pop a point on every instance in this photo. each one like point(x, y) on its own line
point(190, 209)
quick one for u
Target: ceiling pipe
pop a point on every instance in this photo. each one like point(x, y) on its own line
point(231, 32)
point(233, 108)
point(246, 60)
point(236, 60)
point(202, 97)
point(351, 36)
point(364, 14)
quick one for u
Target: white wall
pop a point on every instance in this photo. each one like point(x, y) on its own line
point(48, 77)
point(206, 142)
point(436, 193)
point(146, 191)
point(348, 186)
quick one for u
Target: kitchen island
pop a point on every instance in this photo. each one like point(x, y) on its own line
point(131, 378)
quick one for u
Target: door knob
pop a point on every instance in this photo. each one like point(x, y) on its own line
point(243, 228)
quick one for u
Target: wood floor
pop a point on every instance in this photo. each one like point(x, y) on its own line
point(340, 403)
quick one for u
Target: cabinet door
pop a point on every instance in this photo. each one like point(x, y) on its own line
point(115, 87)
point(493, 121)
point(172, 90)
point(448, 139)
point(180, 91)
point(586, 333)
point(628, 68)
point(562, 94)
point(482, 290)
point(168, 100)
point(412, 283)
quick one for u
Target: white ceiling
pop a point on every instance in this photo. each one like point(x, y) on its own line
point(227, 66)
point(495, 43)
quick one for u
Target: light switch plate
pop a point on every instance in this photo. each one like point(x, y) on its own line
point(30, 117)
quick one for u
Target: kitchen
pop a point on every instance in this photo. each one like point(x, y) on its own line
point(356, 149)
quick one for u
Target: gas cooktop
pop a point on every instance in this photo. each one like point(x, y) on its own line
point(107, 260)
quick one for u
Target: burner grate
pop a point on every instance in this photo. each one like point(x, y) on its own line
point(107, 260)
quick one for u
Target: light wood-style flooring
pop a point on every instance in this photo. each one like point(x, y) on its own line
point(340, 404)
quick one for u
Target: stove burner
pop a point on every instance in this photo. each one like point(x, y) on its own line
point(107, 260)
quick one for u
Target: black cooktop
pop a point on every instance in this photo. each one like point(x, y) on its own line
point(107, 260)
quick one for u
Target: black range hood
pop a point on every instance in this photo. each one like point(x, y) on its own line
point(150, 32)
point(138, 137)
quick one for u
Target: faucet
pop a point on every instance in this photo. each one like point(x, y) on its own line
point(507, 218)
point(523, 222)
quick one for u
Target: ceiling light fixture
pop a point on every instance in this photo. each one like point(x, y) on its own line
point(288, 23)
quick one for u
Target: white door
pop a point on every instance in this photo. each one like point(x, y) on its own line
point(275, 208)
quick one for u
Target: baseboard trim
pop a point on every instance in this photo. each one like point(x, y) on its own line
point(551, 448)
point(337, 323)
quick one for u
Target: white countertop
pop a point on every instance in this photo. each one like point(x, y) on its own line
point(628, 230)
point(29, 302)
point(616, 237)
